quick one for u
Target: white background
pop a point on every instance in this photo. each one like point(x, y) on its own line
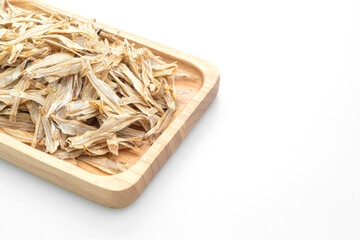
point(277, 155)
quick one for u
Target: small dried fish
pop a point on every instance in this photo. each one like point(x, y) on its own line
point(105, 164)
point(21, 135)
point(72, 127)
point(62, 69)
point(10, 75)
point(5, 123)
point(49, 61)
point(113, 144)
point(104, 91)
point(77, 91)
point(21, 86)
point(67, 155)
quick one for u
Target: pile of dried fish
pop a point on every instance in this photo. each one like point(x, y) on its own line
point(76, 91)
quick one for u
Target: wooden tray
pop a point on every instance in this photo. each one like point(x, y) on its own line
point(118, 191)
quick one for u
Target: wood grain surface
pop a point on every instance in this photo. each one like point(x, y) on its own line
point(118, 191)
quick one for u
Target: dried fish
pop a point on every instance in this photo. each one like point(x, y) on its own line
point(104, 91)
point(72, 127)
point(21, 86)
point(105, 164)
point(113, 144)
point(77, 91)
point(5, 123)
point(67, 155)
point(10, 75)
point(21, 135)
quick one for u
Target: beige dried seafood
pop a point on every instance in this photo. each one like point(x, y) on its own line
point(78, 92)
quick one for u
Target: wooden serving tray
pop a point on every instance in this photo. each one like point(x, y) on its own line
point(118, 191)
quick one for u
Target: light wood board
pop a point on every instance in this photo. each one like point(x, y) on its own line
point(118, 191)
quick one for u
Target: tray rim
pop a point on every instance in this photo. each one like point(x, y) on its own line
point(122, 189)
